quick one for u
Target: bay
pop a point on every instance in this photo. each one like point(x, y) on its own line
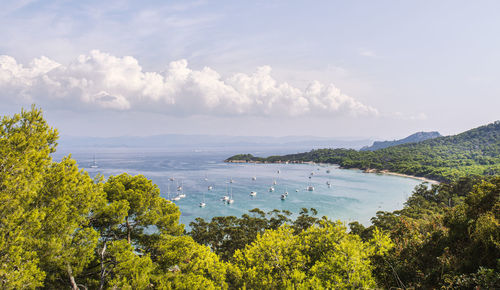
point(353, 194)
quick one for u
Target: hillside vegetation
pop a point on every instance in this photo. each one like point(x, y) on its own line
point(476, 151)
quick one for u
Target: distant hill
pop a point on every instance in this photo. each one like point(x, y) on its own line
point(414, 138)
point(476, 151)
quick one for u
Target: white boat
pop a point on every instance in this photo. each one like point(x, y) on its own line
point(271, 189)
point(310, 188)
point(312, 173)
point(182, 195)
point(203, 204)
point(230, 200)
point(210, 187)
point(328, 183)
point(254, 178)
point(296, 190)
point(171, 179)
point(176, 198)
point(253, 193)
point(328, 171)
point(286, 193)
point(283, 197)
point(274, 182)
point(231, 180)
point(94, 164)
point(225, 198)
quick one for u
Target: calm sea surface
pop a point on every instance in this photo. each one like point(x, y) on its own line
point(353, 195)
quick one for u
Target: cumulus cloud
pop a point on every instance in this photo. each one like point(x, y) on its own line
point(103, 81)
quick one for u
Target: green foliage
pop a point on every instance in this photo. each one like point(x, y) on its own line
point(145, 207)
point(322, 256)
point(224, 235)
point(443, 237)
point(26, 142)
point(129, 270)
point(183, 264)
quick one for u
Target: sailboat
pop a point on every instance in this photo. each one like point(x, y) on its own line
point(253, 193)
point(179, 189)
point(175, 198)
point(283, 197)
point(225, 198)
point(203, 204)
point(271, 189)
point(254, 178)
point(94, 164)
point(231, 200)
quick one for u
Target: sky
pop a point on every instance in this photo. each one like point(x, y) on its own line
point(344, 69)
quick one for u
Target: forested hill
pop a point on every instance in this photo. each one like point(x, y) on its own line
point(413, 138)
point(445, 158)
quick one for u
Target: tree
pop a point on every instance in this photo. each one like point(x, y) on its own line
point(184, 264)
point(322, 256)
point(145, 208)
point(26, 142)
point(65, 241)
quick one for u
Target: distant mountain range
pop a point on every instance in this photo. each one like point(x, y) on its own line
point(414, 138)
point(206, 141)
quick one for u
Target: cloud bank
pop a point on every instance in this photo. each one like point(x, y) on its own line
point(103, 81)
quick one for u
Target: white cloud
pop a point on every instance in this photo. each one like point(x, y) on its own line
point(103, 81)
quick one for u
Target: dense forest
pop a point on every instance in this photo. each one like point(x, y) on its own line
point(59, 228)
point(476, 151)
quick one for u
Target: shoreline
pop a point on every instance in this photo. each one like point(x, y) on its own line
point(368, 170)
point(386, 172)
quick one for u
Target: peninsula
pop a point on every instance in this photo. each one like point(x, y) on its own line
point(443, 159)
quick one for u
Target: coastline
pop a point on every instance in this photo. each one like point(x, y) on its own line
point(386, 172)
point(369, 170)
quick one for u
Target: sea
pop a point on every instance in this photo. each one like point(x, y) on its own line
point(352, 195)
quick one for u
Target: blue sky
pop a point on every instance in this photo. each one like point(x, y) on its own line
point(381, 69)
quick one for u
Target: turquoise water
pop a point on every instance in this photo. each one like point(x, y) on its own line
point(353, 195)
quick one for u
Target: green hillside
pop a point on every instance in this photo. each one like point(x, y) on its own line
point(445, 158)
